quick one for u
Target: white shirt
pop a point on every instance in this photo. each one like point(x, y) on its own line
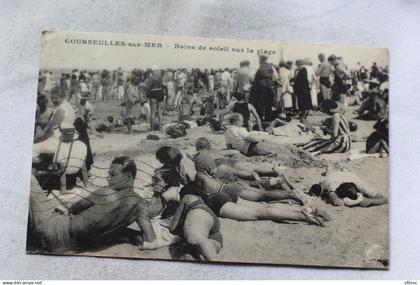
point(69, 115)
point(181, 78)
point(225, 76)
point(384, 86)
point(333, 180)
point(235, 136)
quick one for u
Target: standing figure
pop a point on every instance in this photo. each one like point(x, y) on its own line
point(244, 79)
point(302, 90)
point(156, 97)
point(324, 72)
point(263, 98)
point(341, 74)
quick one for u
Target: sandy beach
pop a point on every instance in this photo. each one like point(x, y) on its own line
point(356, 237)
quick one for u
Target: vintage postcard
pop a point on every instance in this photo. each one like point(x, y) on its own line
point(215, 150)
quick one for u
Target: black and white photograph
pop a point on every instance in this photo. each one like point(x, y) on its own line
point(210, 150)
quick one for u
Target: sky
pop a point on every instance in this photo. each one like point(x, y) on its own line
point(96, 51)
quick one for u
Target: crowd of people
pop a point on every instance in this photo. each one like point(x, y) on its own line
point(233, 101)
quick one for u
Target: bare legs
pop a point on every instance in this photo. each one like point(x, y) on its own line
point(197, 226)
point(259, 211)
point(254, 194)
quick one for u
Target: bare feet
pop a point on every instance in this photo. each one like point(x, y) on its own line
point(315, 216)
point(297, 196)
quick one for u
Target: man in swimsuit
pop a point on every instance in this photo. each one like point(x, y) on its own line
point(62, 227)
point(196, 223)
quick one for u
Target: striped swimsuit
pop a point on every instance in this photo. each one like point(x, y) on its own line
point(339, 144)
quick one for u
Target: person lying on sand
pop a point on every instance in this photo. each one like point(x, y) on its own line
point(196, 224)
point(237, 137)
point(343, 188)
point(107, 210)
point(229, 166)
point(205, 173)
point(204, 162)
point(225, 200)
point(108, 124)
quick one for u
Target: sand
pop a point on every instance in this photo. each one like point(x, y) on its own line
point(356, 237)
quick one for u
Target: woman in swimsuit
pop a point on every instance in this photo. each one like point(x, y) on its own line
point(197, 225)
point(226, 166)
point(208, 177)
point(340, 141)
point(225, 201)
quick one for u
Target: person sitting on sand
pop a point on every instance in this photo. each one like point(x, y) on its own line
point(42, 118)
point(343, 188)
point(62, 113)
point(196, 224)
point(378, 141)
point(62, 227)
point(237, 137)
point(340, 141)
point(168, 178)
point(224, 200)
point(243, 108)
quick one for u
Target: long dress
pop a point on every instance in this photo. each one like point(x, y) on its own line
point(302, 91)
point(312, 80)
point(131, 109)
point(286, 89)
point(170, 85)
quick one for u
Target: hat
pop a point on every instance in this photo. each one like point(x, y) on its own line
point(247, 87)
point(374, 81)
point(244, 63)
point(307, 61)
point(42, 99)
point(66, 128)
point(155, 67)
point(263, 56)
point(56, 91)
point(316, 190)
point(282, 63)
point(332, 57)
point(300, 62)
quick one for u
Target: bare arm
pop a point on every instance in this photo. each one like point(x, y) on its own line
point(257, 117)
point(251, 139)
point(368, 202)
point(229, 152)
point(56, 120)
point(336, 125)
point(351, 203)
point(177, 215)
point(335, 200)
point(225, 111)
point(81, 205)
point(143, 221)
